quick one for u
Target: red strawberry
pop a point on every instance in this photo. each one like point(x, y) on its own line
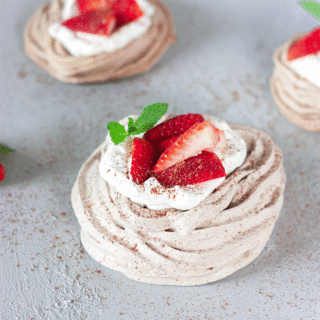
point(173, 127)
point(89, 5)
point(2, 172)
point(98, 22)
point(126, 11)
point(309, 44)
point(166, 143)
point(144, 157)
point(201, 136)
point(203, 167)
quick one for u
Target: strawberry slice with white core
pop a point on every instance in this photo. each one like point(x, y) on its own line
point(98, 22)
point(201, 136)
point(144, 157)
point(203, 167)
point(307, 45)
point(222, 144)
point(172, 128)
point(166, 143)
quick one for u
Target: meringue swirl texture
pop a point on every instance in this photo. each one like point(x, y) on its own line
point(297, 99)
point(224, 233)
point(137, 57)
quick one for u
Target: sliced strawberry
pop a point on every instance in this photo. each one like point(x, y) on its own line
point(126, 11)
point(166, 143)
point(201, 136)
point(203, 167)
point(2, 172)
point(222, 144)
point(309, 44)
point(172, 127)
point(144, 157)
point(98, 22)
point(89, 5)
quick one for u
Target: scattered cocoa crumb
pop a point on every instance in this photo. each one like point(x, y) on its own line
point(235, 96)
point(22, 74)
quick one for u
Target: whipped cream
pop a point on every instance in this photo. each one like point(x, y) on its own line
point(85, 44)
point(115, 167)
point(308, 67)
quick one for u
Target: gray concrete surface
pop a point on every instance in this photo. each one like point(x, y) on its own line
point(220, 65)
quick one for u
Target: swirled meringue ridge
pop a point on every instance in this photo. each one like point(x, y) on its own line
point(224, 233)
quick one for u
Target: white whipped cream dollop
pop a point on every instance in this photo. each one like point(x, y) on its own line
point(85, 44)
point(115, 167)
point(308, 67)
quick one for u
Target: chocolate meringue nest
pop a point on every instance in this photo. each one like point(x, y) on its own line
point(221, 235)
point(137, 57)
point(297, 99)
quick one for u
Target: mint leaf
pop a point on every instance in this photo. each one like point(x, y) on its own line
point(131, 128)
point(117, 132)
point(150, 116)
point(312, 7)
point(130, 122)
point(4, 149)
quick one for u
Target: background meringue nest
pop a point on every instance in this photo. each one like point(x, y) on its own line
point(137, 57)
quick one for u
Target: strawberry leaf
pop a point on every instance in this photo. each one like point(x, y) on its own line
point(312, 7)
point(4, 149)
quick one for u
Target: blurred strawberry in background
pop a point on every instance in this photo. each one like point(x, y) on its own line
point(103, 17)
point(2, 172)
point(3, 150)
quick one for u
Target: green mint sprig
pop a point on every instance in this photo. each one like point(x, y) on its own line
point(4, 149)
point(148, 118)
point(312, 7)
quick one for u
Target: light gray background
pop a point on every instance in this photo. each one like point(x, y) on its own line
point(220, 65)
